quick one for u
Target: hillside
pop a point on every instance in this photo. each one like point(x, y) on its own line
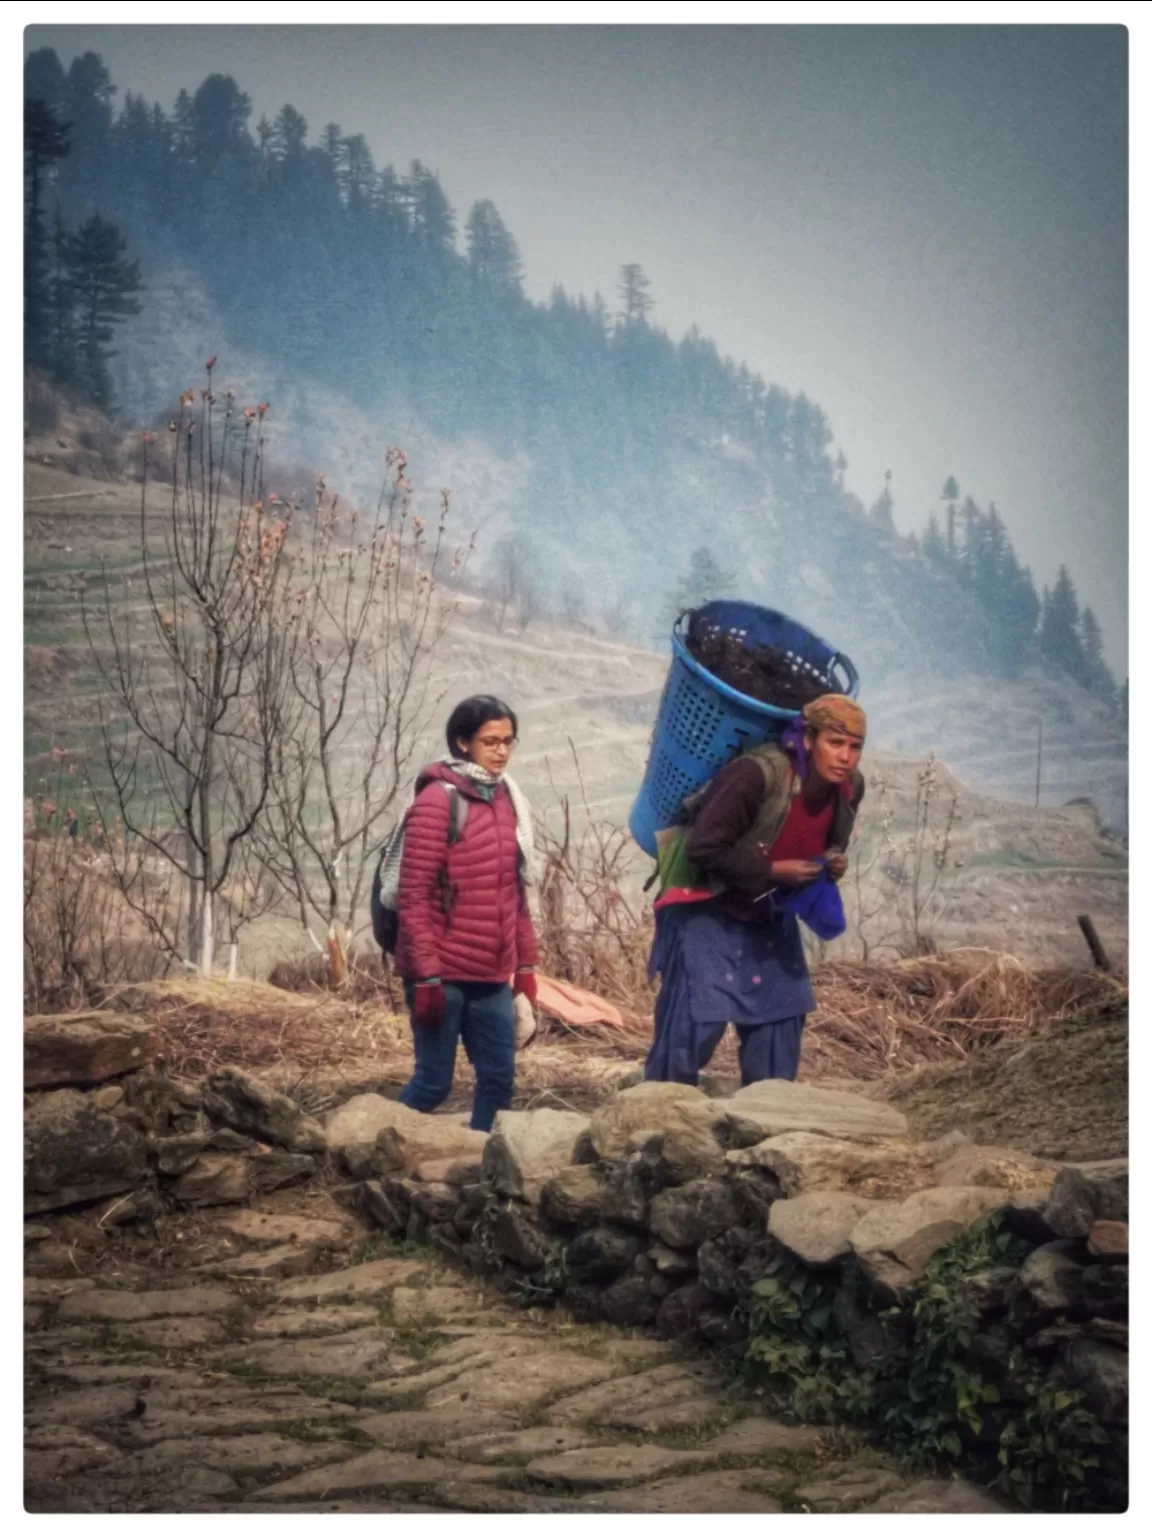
point(1025, 873)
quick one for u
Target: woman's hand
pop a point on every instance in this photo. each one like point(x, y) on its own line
point(524, 984)
point(836, 864)
point(429, 1004)
point(795, 872)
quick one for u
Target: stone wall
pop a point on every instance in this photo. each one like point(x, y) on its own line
point(103, 1128)
point(671, 1210)
point(742, 1221)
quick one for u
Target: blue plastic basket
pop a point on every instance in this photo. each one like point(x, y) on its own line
point(702, 723)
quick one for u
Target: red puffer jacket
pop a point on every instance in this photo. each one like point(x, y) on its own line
point(487, 931)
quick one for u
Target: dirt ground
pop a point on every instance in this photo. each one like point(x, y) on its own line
point(1062, 1093)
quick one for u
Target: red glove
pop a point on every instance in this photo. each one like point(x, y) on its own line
point(524, 985)
point(428, 1005)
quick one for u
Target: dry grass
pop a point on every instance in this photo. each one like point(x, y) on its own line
point(876, 1019)
point(871, 1022)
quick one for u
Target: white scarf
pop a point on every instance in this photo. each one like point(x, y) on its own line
point(390, 870)
point(524, 836)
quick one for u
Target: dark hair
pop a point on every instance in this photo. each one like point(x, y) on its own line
point(470, 714)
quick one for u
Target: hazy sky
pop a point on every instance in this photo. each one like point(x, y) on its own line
point(924, 227)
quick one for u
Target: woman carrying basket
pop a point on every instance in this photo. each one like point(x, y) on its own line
point(464, 927)
point(764, 840)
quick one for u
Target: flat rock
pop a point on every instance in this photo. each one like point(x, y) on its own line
point(838, 1491)
point(574, 1197)
point(136, 1306)
point(270, 1263)
point(450, 1170)
point(1108, 1239)
point(228, 1408)
point(359, 1352)
point(895, 1242)
point(1078, 1199)
point(83, 1405)
point(519, 1381)
point(373, 1135)
point(996, 1167)
point(261, 1453)
point(416, 1428)
point(803, 1162)
point(499, 1445)
point(433, 1303)
point(631, 1117)
point(700, 1493)
point(128, 1486)
point(351, 1130)
point(379, 1470)
point(529, 1147)
point(676, 1381)
point(40, 1289)
point(64, 1049)
point(175, 1155)
point(174, 1332)
point(371, 1279)
point(766, 1437)
point(214, 1179)
point(74, 1152)
point(938, 1496)
point(264, 1227)
point(242, 1102)
point(303, 1323)
point(773, 1107)
point(57, 1450)
point(604, 1465)
point(683, 1413)
point(270, 1169)
point(816, 1227)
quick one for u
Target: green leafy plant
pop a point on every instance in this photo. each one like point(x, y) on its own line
point(924, 1387)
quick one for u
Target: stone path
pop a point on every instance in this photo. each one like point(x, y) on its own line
point(296, 1366)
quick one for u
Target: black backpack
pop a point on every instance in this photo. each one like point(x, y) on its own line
point(386, 880)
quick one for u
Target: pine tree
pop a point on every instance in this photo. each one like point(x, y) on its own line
point(1061, 651)
point(289, 137)
point(934, 547)
point(45, 143)
point(493, 255)
point(103, 287)
point(634, 294)
point(704, 580)
point(220, 112)
point(951, 494)
point(1098, 676)
point(433, 222)
point(44, 80)
point(881, 510)
point(61, 300)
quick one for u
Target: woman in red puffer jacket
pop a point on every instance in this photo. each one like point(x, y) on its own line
point(464, 924)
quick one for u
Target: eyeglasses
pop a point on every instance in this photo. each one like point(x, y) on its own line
point(492, 742)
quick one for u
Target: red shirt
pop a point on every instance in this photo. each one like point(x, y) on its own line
point(805, 833)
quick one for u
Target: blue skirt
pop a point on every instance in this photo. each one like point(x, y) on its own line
point(715, 970)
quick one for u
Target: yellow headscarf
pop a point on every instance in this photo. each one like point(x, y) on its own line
point(835, 711)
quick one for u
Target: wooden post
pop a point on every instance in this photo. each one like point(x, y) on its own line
point(1039, 758)
point(1092, 938)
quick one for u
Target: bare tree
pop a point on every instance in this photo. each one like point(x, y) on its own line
point(530, 602)
point(366, 616)
point(512, 580)
point(192, 669)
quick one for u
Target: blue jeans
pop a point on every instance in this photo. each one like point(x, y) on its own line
point(481, 1014)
